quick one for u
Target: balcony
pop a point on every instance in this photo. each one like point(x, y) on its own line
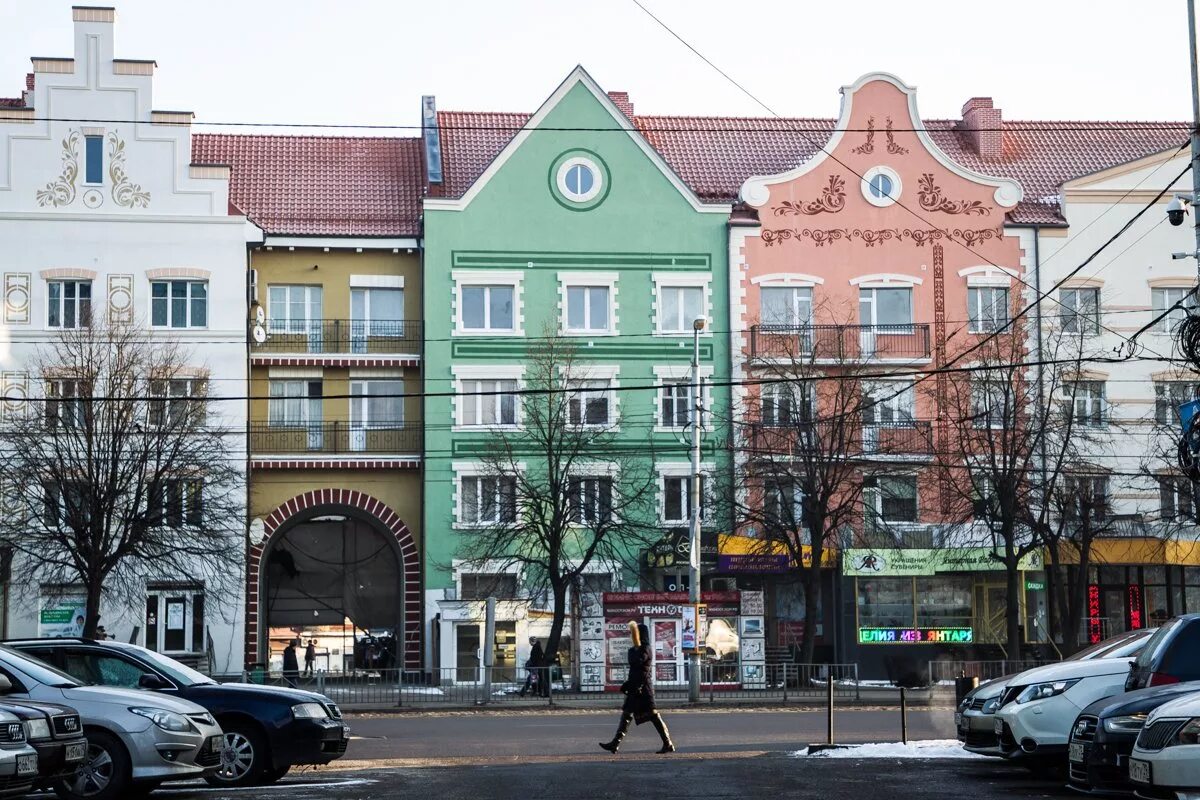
point(342, 337)
point(839, 343)
point(334, 439)
point(879, 440)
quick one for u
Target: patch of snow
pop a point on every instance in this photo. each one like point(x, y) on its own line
point(933, 748)
point(431, 690)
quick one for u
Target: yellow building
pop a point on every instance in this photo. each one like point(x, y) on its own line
point(334, 296)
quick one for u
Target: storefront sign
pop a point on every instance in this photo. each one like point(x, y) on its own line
point(1035, 586)
point(674, 550)
point(763, 563)
point(61, 617)
point(635, 605)
point(896, 562)
point(915, 635)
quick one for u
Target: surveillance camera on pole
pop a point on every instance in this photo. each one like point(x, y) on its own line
point(1177, 209)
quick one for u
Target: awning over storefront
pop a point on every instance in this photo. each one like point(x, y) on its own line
point(750, 555)
point(1136, 551)
point(901, 562)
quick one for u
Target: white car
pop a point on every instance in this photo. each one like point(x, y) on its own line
point(1166, 759)
point(1040, 705)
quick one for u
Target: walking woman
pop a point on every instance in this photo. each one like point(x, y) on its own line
point(639, 693)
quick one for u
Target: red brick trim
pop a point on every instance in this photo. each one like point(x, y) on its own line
point(410, 563)
point(263, 360)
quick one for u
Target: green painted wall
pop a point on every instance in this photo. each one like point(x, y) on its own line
point(517, 222)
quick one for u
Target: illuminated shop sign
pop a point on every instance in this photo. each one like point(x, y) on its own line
point(915, 635)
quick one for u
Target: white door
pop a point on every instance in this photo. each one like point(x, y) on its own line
point(668, 654)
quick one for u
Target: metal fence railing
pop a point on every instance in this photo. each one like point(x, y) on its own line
point(457, 686)
point(946, 671)
point(352, 336)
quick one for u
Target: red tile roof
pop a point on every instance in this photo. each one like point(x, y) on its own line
point(321, 185)
point(715, 155)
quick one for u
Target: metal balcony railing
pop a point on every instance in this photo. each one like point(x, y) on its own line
point(334, 438)
point(832, 343)
point(910, 438)
point(353, 336)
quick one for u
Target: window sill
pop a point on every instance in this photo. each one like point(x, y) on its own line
point(486, 428)
point(598, 334)
point(486, 332)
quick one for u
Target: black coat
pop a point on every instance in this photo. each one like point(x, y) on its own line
point(536, 656)
point(639, 688)
point(289, 659)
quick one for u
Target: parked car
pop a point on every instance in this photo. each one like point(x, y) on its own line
point(1103, 736)
point(54, 731)
point(268, 729)
point(1166, 759)
point(1041, 705)
point(975, 720)
point(1171, 656)
point(136, 740)
point(18, 761)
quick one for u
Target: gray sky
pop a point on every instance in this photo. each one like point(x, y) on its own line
point(368, 61)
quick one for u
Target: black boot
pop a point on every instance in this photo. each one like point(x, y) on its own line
point(660, 725)
point(622, 729)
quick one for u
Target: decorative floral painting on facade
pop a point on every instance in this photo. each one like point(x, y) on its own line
point(873, 236)
point(931, 199)
point(125, 192)
point(61, 191)
point(831, 201)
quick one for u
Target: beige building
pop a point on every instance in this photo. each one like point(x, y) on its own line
point(334, 296)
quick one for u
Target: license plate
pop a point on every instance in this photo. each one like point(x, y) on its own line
point(214, 744)
point(27, 765)
point(998, 728)
point(345, 731)
point(75, 751)
point(1075, 752)
point(1139, 771)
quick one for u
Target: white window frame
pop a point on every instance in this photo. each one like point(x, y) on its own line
point(674, 374)
point(801, 399)
point(189, 299)
point(190, 494)
point(1093, 404)
point(164, 397)
point(360, 394)
point(682, 469)
point(682, 280)
point(1079, 316)
point(868, 192)
point(310, 406)
point(873, 495)
point(488, 278)
point(467, 379)
point(62, 302)
point(872, 291)
point(313, 298)
point(587, 280)
point(475, 470)
point(74, 404)
point(365, 328)
point(560, 179)
point(982, 308)
point(598, 472)
point(800, 314)
point(900, 406)
point(985, 389)
point(774, 496)
point(1163, 297)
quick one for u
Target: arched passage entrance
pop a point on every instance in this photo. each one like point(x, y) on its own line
point(336, 559)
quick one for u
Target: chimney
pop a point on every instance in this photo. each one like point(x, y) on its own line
point(621, 100)
point(27, 95)
point(981, 123)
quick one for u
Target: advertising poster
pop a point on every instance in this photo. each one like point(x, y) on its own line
point(752, 604)
point(61, 617)
point(617, 641)
point(688, 638)
point(666, 651)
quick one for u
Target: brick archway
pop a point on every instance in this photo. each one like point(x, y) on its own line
point(379, 511)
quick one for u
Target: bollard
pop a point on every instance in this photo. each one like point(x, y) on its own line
point(829, 711)
point(550, 684)
point(903, 715)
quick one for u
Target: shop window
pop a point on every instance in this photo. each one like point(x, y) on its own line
point(175, 620)
point(943, 601)
point(886, 602)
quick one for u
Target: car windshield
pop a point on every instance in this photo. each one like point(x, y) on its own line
point(36, 669)
point(1108, 648)
point(1155, 643)
point(180, 673)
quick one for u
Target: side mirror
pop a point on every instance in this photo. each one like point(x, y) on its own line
point(5, 684)
point(149, 680)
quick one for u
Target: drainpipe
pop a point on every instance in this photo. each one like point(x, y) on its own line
point(1041, 369)
point(426, 629)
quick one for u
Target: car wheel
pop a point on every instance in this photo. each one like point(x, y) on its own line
point(272, 775)
point(243, 757)
point(104, 775)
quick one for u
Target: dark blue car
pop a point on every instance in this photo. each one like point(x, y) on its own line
point(268, 729)
point(1104, 732)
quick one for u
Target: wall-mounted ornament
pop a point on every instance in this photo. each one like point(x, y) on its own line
point(16, 298)
point(870, 237)
point(868, 146)
point(61, 191)
point(14, 387)
point(125, 192)
point(120, 298)
point(929, 195)
point(892, 147)
point(831, 201)
point(93, 198)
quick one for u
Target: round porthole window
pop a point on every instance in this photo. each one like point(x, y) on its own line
point(579, 179)
point(881, 186)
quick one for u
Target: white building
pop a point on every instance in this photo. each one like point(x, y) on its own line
point(101, 207)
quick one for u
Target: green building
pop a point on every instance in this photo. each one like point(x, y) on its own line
point(566, 222)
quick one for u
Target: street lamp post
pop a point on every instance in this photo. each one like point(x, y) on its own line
point(694, 511)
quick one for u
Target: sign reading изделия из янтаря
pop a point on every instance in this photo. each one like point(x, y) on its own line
point(904, 562)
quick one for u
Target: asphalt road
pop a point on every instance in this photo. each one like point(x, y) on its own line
point(640, 778)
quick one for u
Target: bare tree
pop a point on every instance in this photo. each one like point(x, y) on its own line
point(812, 431)
point(121, 474)
point(566, 490)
